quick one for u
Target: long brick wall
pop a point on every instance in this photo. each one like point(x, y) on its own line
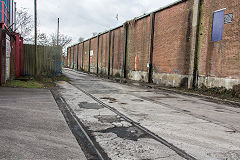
point(219, 61)
point(176, 54)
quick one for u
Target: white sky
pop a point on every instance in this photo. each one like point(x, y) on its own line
point(80, 18)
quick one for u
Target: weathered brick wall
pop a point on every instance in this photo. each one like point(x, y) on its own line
point(219, 61)
point(71, 58)
point(103, 57)
point(68, 57)
point(75, 53)
point(138, 49)
point(85, 56)
point(81, 55)
point(171, 47)
point(93, 58)
point(117, 52)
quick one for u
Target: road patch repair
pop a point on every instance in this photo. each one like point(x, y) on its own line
point(190, 124)
point(117, 137)
point(32, 127)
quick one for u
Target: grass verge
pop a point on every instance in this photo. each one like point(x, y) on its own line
point(37, 82)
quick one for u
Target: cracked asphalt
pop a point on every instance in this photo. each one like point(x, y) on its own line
point(203, 129)
point(32, 127)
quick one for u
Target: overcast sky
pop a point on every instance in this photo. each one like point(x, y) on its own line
point(80, 18)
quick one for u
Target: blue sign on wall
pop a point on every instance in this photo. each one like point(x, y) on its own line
point(217, 28)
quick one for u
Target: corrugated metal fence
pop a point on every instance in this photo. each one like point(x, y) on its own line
point(48, 58)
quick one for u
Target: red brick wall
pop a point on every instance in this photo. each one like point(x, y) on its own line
point(138, 43)
point(68, 57)
point(72, 57)
point(75, 56)
point(93, 59)
point(221, 58)
point(118, 49)
point(79, 56)
point(103, 54)
point(171, 47)
point(85, 56)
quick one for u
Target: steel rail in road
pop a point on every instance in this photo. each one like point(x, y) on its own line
point(179, 151)
point(98, 153)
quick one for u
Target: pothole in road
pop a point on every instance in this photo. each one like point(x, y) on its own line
point(137, 100)
point(111, 100)
point(108, 118)
point(123, 103)
point(129, 133)
point(87, 105)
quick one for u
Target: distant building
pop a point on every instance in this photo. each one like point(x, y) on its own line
point(11, 43)
point(8, 14)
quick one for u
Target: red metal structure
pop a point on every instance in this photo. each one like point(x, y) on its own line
point(17, 56)
point(11, 43)
point(4, 13)
point(21, 56)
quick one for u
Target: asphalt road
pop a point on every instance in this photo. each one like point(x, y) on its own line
point(201, 128)
point(32, 127)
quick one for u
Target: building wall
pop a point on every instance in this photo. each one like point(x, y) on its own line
point(138, 42)
point(75, 49)
point(86, 56)
point(217, 63)
point(171, 48)
point(93, 58)
point(13, 68)
point(80, 58)
point(117, 52)
point(103, 57)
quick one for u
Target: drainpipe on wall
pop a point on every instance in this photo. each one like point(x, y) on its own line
point(97, 52)
point(194, 41)
point(124, 73)
point(150, 69)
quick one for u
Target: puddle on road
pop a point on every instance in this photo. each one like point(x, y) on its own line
point(130, 133)
point(112, 100)
point(87, 105)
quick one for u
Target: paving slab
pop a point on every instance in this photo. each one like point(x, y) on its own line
point(33, 127)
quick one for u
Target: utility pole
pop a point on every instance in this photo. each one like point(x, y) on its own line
point(35, 24)
point(58, 33)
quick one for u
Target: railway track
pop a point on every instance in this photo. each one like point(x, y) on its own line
point(99, 152)
point(145, 130)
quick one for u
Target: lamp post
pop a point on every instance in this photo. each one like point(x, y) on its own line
point(35, 24)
